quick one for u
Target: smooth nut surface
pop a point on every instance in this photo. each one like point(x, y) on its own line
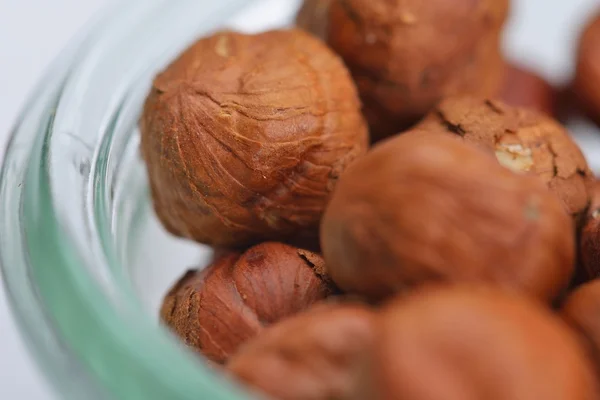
point(523, 140)
point(316, 355)
point(245, 136)
point(472, 343)
point(313, 17)
point(406, 55)
point(219, 308)
point(589, 240)
point(587, 75)
point(425, 207)
point(581, 311)
point(522, 87)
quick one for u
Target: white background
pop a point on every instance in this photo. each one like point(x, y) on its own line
point(541, 34)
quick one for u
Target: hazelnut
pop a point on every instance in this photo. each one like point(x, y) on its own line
point(524, 88)
point(316, 355)
point(313, 17)
point(524, 141)
point(589, 241)
point(406, 55)
point(244, 136)
point(587, 75)
point(217, 309)
point(425, 207)
point(581, 311)
point(456, 343)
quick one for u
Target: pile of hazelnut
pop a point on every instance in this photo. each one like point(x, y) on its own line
point(397, 214)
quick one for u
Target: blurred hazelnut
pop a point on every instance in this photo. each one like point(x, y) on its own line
point(458, 343)
point(425, 207)
point(589, 241)
point(245, 136)
point(406, 55)
point(313, 17)
point(581, 310)
point(524, 141)
point(587, 76)
point(217, 309)
point(524, 88)
point(316, 355)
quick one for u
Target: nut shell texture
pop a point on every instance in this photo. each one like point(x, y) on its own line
point(244, 136)
point(406, 55)
point(524, 141)
point(429, 207)
point(317, 355)
point(217, 309)
point(474, 343)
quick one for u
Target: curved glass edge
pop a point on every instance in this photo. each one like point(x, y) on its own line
point(111, 338)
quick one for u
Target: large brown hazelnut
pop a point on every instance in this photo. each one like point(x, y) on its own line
point(217, 309)
point(316, 355)
point(425, 207)
point(406, 55)
point(245, 136)
point(459, 343)
point(313, 17)
point(522, 87)
point(587, 76)
point(589, 240)
point(524, 141)
point(581, 310)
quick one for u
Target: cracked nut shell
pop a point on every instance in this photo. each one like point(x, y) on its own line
point(581, 310)
point(313, 17)
point(425, 207)
point(316, 355)
point(217, 309)
point(587, 76)
point(406, 55)
point(524, 141)
point(457, 343)
point(589, 240)
point(524, 88)
point(244, 136)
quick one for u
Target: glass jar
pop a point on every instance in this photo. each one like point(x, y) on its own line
point(85, 260)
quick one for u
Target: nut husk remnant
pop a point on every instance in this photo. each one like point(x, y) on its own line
point(587, 76)
point(524, 88)
point(457, 343)
point(217, 309)
point(245, 136)
point(524, 141)
point(581, 310)
point(316, 355)
point(425, 207)
point(406, 55)
point(313, 17)
point(589, 240)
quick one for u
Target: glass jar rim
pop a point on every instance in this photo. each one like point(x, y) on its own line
point(56, 257)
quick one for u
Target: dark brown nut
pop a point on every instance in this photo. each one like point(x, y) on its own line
point(244, 136)
point(429, 207)
point(523, 141)
point(457, 343)
point(317, 355)
point(589, 240)
point(587, 77)
point(406, 55)
point(217, 309)
point(524, 88)
point(581, 310)
point(313, 17)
